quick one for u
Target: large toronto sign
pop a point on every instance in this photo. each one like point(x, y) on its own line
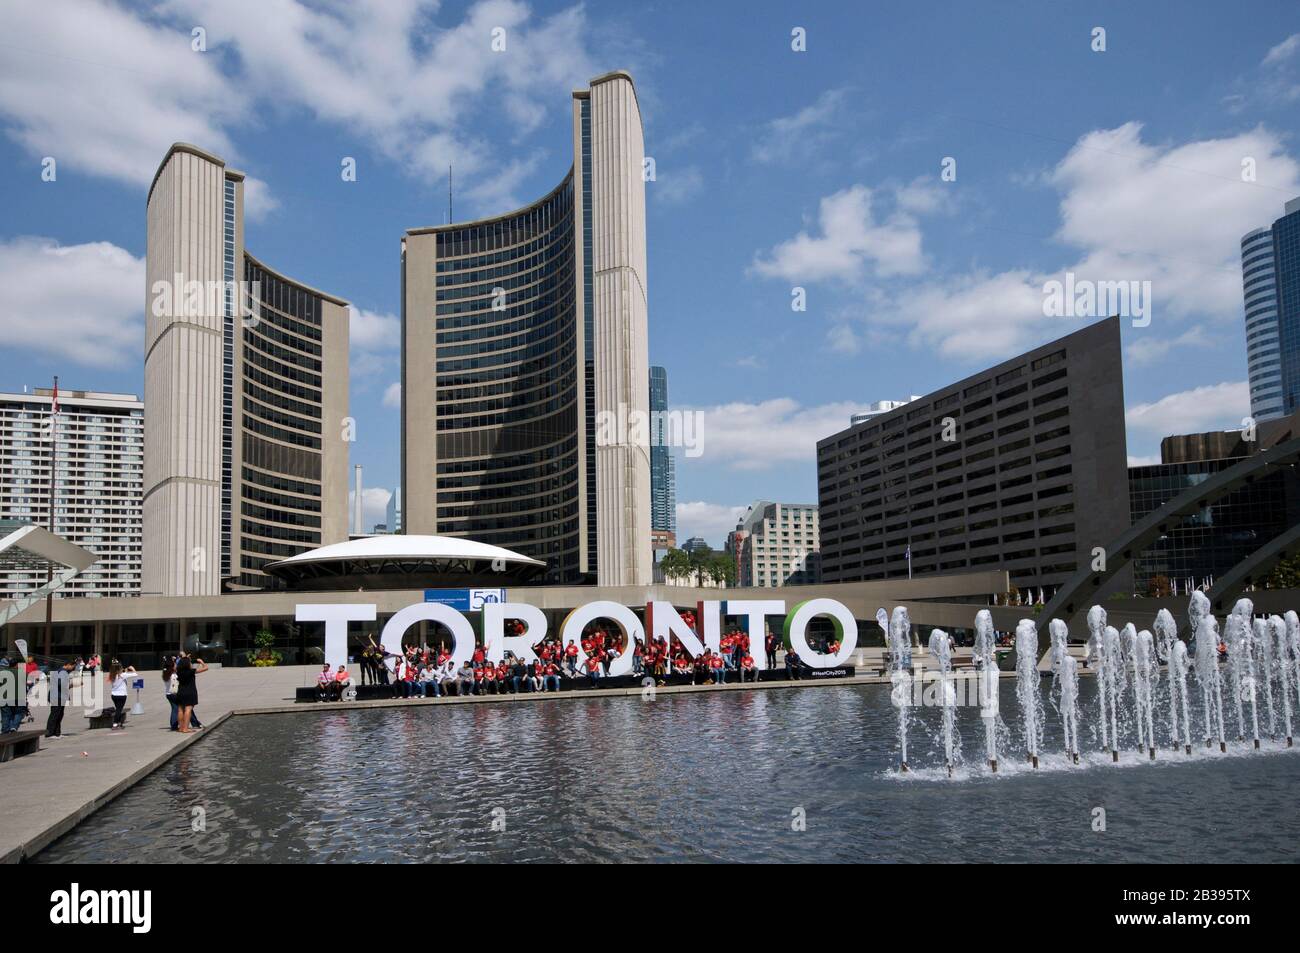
point(662, 621)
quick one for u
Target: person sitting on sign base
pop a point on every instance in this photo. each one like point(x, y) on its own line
point(465, 679)
point(551, 682)
point(593, 670)
point(747, 670)
point(792, 665)
point(718, 669)
point(324, 678)
point(342, 683)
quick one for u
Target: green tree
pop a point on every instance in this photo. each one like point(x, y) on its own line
point(1286, 574)
point(676, 564)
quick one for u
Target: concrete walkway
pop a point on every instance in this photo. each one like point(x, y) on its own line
point(47, 794)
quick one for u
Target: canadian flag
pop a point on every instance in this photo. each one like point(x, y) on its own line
point(54, 403)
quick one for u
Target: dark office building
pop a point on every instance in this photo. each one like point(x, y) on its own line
point(1022, 466)
point(1219, 536)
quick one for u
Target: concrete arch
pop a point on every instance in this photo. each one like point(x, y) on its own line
point(1084, 587)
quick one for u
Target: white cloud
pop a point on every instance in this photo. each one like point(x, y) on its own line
point(103, 91)
point(674, 186)
point(1150, 348)
point(710, 521)
point(372, 331)
point(849, 240)
point(108, 89)
point(374, 507)
point(1199, 410)
point(1130, 211)
point(393, 395)
point(1283, 51)
point(1173, 215)
point(842, 339)
point(82, 303)
point(801, 136)
point(745, 436)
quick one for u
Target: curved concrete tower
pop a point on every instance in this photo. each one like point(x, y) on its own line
point(525, 364)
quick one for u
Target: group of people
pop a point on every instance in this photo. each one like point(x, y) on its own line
point(424, 672)
point(179, 688)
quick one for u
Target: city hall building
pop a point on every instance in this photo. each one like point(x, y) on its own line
point(246, 393)
point(1021, 467)
point(521, 335)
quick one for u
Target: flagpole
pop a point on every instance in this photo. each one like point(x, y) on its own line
point(49, 567)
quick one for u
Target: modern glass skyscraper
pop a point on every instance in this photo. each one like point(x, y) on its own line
point(663, 481)
point(245, 393)
point(1270, 277)
point(524, 345)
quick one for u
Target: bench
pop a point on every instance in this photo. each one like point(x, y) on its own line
point(100, 719)
point(15, 744)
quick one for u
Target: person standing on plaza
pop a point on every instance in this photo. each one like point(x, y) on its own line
point(770, 645)
point(117, 678)
point(60, 688)
point(187, 690)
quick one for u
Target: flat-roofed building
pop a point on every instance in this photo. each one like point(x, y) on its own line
point(98, 452)
point(777, 544)
point(1021, 467)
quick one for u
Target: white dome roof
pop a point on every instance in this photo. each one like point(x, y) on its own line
point(398, 546)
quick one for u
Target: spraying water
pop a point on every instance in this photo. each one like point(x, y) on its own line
point(987, 664)
point(1113, 672)
point(1293, 643)
point(1166, 636)
point(941, 651)
point(1097, 659)
point(1282, 662)
point(900, 675)
point(1128, 637)
point(1144, 682)
point(1264, 645)
point(1237, 632)
point(1066, 694)
point(1210, 678)
point(1178, 665)
point(1027, 687)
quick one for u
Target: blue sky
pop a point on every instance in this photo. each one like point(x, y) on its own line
point(775, 169)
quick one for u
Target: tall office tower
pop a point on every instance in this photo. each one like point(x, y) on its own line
point(524, 363)
point(98, 441)
point(663, 480)
point(1023, 466)
point(1270, 278)
point(245, 391)
point(777, 544)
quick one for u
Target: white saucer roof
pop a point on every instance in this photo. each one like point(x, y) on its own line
point(396, 546)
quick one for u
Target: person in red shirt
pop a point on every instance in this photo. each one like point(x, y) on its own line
point(478, 682)
point(718, 669)
point(571, 658)
point(593, 670)
point(681, 665)
point(536, 677)
point(551, 681)
point(478, 656)
point(489, 679)
point(747, 670)
point(503, 676)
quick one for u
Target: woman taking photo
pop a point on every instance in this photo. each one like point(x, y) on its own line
point(117, 679)
point(187, 691)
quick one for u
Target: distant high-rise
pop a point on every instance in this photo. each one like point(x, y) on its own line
point(1270, 277)
point(394, 514)
point(245, 393)
point(98, 483)
point(663, 481)
point(777, 544)
point(525, 361)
